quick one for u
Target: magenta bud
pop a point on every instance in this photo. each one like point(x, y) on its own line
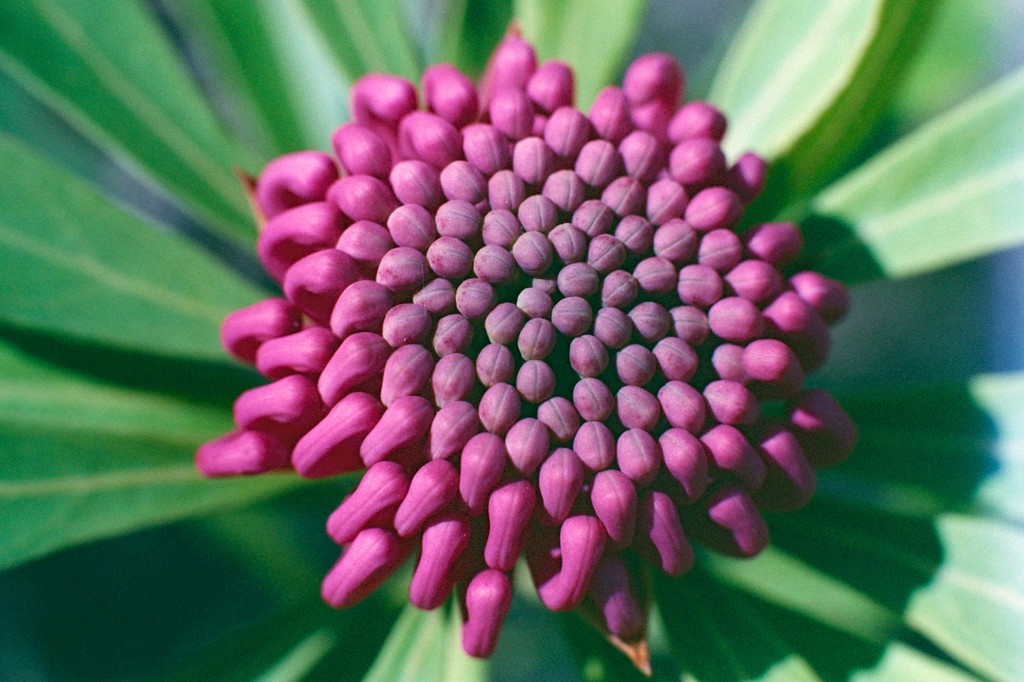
point(499, 408)
point(504, 323)
point(572, 316)
point(593, 218)
point(569, 243)
point(432, 488)
point(654, 76)
point(595, 445)
point(636, 234)
point(508, 511)
point(676, 359)
point(366, 242)
point(406, 323)
point(527, 443)
point(486, 148)
point(613, 327)
point(494, 265)
point(363, 197)
point(438, 297)
point(684, 407)
point(697, 119)
point(511, 113)
point(450, 258)
point(361, 307)
point(642, 155)
point(690, 324)
point(593, 399)
point(332, 446)
point(598, 163)
point(474, 298)
point(666, 201)
point(452, 335)
point(538, 214)
point(458, 219)
point(495, 365)
point(560, 482)
point(578, 279)
point(613, 496)
point(637, 408)
point(560, 417)
point(582, 540)
point(686, 460)
point(733, 525)
point(460, 180)
point(606, 253)
point(824, 430)
point(727, 360)
point(285, 408)
point(534, 302)
point(407, 372)
point(453, 378)
point(533, 252)
point(418, 183)
point(501, 228)
point(304, 352)
point(720, 250)
point(403, 270)
point(551, 86)
point(735, 319)
point(537, 339)
point(790, 479)
point(748, 177)
point(588, 356)
point(827, 296)
point(535, 381)
point(314, 283)
point(635, 365)
point(755, 280)
point(652, 321)
point(359, 357)
point(730, 451)
point(444, 541)
point(505, 190)
point(713, 208)
point(382, 98)
point(625, 196)
point(792, 320)
point(374, 501)
point(296, 233)
point(244, 330)
point(566, 133)
point(532, 160)
point(241, 453)
point(773, 367)
point(619, 289)
point(450, 94)
point(697, 161)
point(361, 151)
point(664, 542)
point(638, 456)
point(731, 402)
point(565, 190)
point(294, 179)
point(511, 65)
point(623, 613)
point(481, 464)
point(776, 243)
point(429, 138)
point(699, 285)
point(609, 114)
point(488, 599)
point(405, 422)
point(367, 562)
point(412, 226)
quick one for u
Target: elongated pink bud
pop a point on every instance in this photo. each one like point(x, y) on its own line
point(773, 368)
point(453, 334)
point(483, 460)
point(294, 179)
point(416, 182)
point(444, 541)
point(683, 406)
point(792, 320)
point(406, 421)
point(638, 456)
point(510, 67)
point(664, 542)
point(364, 565)
point(609, 114)
point(363, 197)
point(825, 295)
point(452, 428)
point(527, 443)
point(314, 282)
point(594, 444)
point(382, 99)
point(824, 430)
point(295, 233)
point(373, 502)
point(366, 242)
point(332, 446)
point(686, 460)
point(499, 408)
point(453, 378)
point(560, 417)
point(560, 482)
point(582, 540)
point(359, 357)
point(731, 402)
point(613, 496)
point(407, 372)
point(511, 113)
point(488, 599)
point(790, 479)
point(731, 451)
point(286, 408)
point(776, 243)
point(244, 330)
point(241, 452)
point(486, 148)
point(566, 133)
point(360, 308)
point(429, 138)
point(433, 487)
point(615, 597)
point(508, 511)
point(361, 151)
point(450, 94)
point(733, 524)
point(304, 352)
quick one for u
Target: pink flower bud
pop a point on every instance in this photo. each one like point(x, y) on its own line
point(773, 368)
point(361, 151)
point(304, 352)
point(666, 201)
point(532, 160)
point(731, 402)
point(654, 76)
point(606, 253)
point(747, 177)
point(363, 197)
point(537, 339)
point(405, 422)
point(382, 99)
point(508, 511)
point(534, 302)
point(624, 196)
point(621, 610)
point(460, 180)
point(690, 324)
point(581, 541)
point(598, 163)
point(588, 356)
point(697, 161)
point(495, 365)
point(619, 289)
point(453, 378)
point(642, 155)
point(566, 133)
point(663, 541)
point(684, 407)
point(727, 360)
point(494, 265)
point(450, 258)
point(826, 433)
point(637, 408)
point(533, 253)
point(656, 275)
point(474, 298)
point(488, 599)
point(450, 94)
point(636, 234)
point(429, 138)
point(730, 451)
point(244, 330)
point(593, 399)
point(569, 243)
point(595, 445)
point(407, 372)
point(511, 113)
point(285, 408)
point(613, 496)
point(373, 556)
point(510, 67)
point(612, 327)
point(501, 228)
point(527, 443)
point(296, 233)
point(593, 218)
point(551, 86)
point(777, 243)
point(483, 460)
point(699, 285)
point(361, 307)
point(676, 359)
point(733, 525)
point(609, 114)
point(755, 280)
point(827, 296)
point(294, 179)
point(314, 283)
point(412, 226)
point(241, 453)
point(406, 323)
point(697, 119)
point(792, 320)
point(486, 148)
point(332, 446)
point(453, 334)
point(635, 365)
point(499, 408)
point(535, 381)
point(416, 182)
point(686, 460)
point(403, 270)
point(735, 319)
point(560, 417)
point(538, 214)
point(438, 297)
point(713, 208)
point(359, 357)
point(505, 190)
point(638, 456)
point(560, 482)
point(433, 487)
point(373, 502)
point(790, 479)
point(444, 541)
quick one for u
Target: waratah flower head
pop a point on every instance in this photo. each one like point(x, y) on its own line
point(541, 333)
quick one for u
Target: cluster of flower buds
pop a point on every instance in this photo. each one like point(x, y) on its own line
point(541, 334)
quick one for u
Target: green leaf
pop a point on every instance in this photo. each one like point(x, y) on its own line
point(301, 659)
point(270, 66)
point(365, 36)
point(592, 36)
point(951, 191)
point(75, 265)
point(974, 605)
point(425, 645)
point(466, 31)
point(903, 663)
point(108, 70)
